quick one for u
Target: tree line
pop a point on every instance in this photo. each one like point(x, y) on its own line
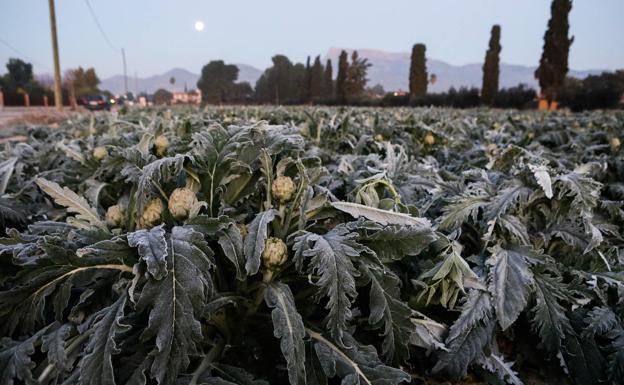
point(19, 83)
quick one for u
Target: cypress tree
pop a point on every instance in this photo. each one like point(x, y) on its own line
point(418, 71)
point(553, 65)
point(491, 67)
point(308, 81)
point(328, 81)
point(341, 78)
point(316, 78)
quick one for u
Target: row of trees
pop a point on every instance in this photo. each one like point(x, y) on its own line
point(19, 80)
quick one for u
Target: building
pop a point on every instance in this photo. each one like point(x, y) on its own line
point(190, 97)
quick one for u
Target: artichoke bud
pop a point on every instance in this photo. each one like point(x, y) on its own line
point(615, 144)
point(152, 213)
point(275, 254)
point(115, 216)
point(242, 229)
point(282, 189)
point(100, 153)
point(181, 202)
point(161, 143)
point(429, 140)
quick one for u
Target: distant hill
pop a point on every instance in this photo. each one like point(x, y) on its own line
point(115, 84)
point(391, 70)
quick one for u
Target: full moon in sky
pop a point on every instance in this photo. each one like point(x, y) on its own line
point(199, 25)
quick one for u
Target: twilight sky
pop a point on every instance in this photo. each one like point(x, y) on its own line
point(159, 34)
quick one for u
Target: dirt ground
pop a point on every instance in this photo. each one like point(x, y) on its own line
point(11, 116)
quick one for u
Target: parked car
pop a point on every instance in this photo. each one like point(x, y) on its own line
point(97, 102)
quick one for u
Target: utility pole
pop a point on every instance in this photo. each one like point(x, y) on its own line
point(123, 56)
point(58, 97)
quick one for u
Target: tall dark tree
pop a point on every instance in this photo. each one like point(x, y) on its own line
point(308, 80)
point(553, 66)
point(19, 74)
point(356, 75)
point(276, 85)
point(341, 78)
point(217, 81)
point(491, 67)
point(300, 81)
point(418, 77)
point(328, 80)
point(316, 79)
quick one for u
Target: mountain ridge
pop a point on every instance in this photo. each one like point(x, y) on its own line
point(390, 69)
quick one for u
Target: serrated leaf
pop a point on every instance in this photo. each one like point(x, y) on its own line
point(468, 336)
point(6, 170)
point(231, 242)
point(387, 309)
point(96, 367)
point(542, 177)
point(510, 282)
point(86, 215)
point(495, 364)
point(356, 364)
point(394, 242)
point(330, 258)
point(383, 217)
point(257, 232)
point(15, 360)
point(288, 327)
point(176, 302)
point(53, 344)
point(549, 316)
point(152, 247)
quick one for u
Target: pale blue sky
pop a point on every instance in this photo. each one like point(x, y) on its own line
point(159, 35)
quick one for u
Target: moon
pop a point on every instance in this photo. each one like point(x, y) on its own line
point(199, 25)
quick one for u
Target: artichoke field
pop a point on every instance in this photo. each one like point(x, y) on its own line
point(301, 245)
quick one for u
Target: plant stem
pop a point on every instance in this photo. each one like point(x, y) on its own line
point(213, 353)
point(75, 343)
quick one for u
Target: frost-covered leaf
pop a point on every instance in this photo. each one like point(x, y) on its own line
point(383, 217)
point(329, 257)
point(96, 367)
point(394, 242)
point(54, 344)
point(495, 364)
point(86, 215)
point(542, 177)
point(510, 282)
point(255, 239)
point(176, 302)
point(549, 317)
point(152, 247)
point(6, 170)
point(16, 361)
point(231, 242)
point(288, 327)
point(468, 336)
point(355, 364)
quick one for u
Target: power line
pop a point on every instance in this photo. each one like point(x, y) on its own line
point(110, 44)
point(19, 53)
point(97, 22)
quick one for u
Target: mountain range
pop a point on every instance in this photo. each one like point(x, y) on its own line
point(390, 69)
